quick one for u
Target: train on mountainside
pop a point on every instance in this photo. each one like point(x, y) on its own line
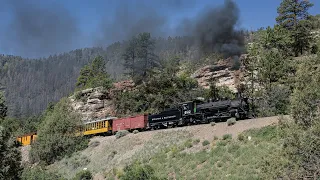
point(187, 113)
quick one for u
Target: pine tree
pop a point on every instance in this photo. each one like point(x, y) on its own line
point(291, 12)
point(139, 57)
point(277, 37)
point(302, 37)
point(130, 55)
point(98, 65)
point(94, 75)
point(85, 74)
point(293, 15)
point(265, 64)
point(148, 59)
point(266, 68)
point(315, 21)
point(3, 107)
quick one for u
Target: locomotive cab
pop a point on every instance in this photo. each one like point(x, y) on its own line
point(189, 111)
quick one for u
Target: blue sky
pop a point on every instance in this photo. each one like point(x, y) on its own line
point(253, 13)
point(87, 17)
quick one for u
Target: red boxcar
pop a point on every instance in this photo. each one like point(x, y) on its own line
point(130, 123)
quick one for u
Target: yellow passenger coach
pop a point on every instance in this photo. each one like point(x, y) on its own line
point(27, 139)
point(101, 126)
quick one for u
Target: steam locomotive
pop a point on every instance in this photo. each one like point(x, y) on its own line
point(199, 111)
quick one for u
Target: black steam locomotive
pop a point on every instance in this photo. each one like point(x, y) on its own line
point(199, 111)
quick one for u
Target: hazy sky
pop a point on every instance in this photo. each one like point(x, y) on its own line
point(33, 28)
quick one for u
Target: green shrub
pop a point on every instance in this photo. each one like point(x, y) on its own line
point(205, 142)
point(78, 160)
point(188, 143)
point(267, 133)
point(83, 175)
point(10, 155)
point(37, 173)
point(196, 141)
point(233, 147)
point(121, 133)
point(227, 136)
point(231, 121)
point(299, 155)
point(212, 123)
point(314, 49)
point(219, 164)
point(138, 171)
point(135, 132)
point(57, 136)
point(175, 150)
point(215, 138)
point(222, 143)
point(241, 137)
point(304, 105)
point(273, 102)
point(78, 95)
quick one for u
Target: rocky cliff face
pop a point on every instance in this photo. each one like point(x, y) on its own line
point(222, 72)
point(96, 103)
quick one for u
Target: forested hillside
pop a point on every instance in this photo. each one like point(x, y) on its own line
point(30, 84)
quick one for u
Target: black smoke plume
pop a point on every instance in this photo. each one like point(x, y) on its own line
point(129, 21)
point(214, 30)
point(37, 30)
point(133, 18)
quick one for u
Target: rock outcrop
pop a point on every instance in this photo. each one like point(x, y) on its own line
point(221, 72)
point(96, 103)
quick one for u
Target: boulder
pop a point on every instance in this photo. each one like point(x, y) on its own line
point(96, 107)
point(94, 101)
point(97, 95)
point(87, 91)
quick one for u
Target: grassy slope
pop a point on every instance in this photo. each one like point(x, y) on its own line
point(178, 153)
point(221, 159)
point(105, 157)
